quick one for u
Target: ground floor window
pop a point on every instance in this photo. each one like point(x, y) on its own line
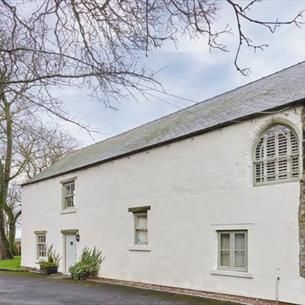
point(140, 215)
point(232, 250)
point(141, 231)
point(41, 245)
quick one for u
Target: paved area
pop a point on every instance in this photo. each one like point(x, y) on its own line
point(16, 289)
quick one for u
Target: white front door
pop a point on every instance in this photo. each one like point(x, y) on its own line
point(70, 251)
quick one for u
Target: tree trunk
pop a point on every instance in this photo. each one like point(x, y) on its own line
point(5, 173)
point(11, 236)
point(12, 220)
point(5, 248)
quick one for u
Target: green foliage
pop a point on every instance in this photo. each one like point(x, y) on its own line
point(79, 271)
point(89, 265)
point(52, 260)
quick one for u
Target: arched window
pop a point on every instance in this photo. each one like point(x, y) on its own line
point(276, 155)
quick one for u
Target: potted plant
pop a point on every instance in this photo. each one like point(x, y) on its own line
point(51, 263)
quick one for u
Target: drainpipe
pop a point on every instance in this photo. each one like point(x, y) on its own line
point(277, 286)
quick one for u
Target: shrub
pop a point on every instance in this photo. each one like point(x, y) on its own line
point(89, 264)
point(52, 260)
point(79, 271)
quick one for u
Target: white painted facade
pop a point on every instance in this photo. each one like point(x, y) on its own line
point(194, 188)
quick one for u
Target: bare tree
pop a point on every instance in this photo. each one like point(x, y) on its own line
point(98, 43)
point(26, 148)
point(13, 212)
point(38, 147)
point(34, 149)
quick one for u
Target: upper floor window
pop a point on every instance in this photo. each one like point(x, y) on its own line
point(276, 155)
point(68, 194)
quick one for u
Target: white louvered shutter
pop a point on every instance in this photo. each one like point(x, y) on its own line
point(259, 166)
point(294, 155)
point(276, 155)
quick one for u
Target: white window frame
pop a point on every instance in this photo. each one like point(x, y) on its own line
point(232, 250)
point(65, 196)
point(139, 211)
point(136, 229)
point(39, 243)
point(292, 175)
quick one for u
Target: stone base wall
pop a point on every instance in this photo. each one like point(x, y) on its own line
point(192, 292)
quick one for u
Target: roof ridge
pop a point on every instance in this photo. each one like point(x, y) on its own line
point(252, 82)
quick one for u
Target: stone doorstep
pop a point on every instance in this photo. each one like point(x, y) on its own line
point(190, 292)
point(59, 276)
point(55, 276)
point(33, 270)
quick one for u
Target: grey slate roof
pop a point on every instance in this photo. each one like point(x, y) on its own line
point(274, 91)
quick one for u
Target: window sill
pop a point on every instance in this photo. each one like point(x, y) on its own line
point(139, 248)
point(232, 273)
point(295, 179)
point(68, 211)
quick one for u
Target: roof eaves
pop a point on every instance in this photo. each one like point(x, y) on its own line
point(176, 139)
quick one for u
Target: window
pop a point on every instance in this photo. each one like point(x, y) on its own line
point(68, 194)
point(41, 245)
point(141, 237)
point(232, 250)
point(276, 156)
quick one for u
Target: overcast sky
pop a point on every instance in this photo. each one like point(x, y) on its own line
point(189, 70)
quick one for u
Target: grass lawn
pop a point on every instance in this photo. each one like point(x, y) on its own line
point(11, 263)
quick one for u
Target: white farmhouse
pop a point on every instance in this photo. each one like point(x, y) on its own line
point(209, 198)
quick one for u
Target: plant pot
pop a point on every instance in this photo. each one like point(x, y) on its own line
point(50, 270)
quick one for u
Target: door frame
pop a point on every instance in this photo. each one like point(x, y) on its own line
point(64, 258)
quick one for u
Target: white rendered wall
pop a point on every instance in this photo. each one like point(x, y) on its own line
point(194, 187)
